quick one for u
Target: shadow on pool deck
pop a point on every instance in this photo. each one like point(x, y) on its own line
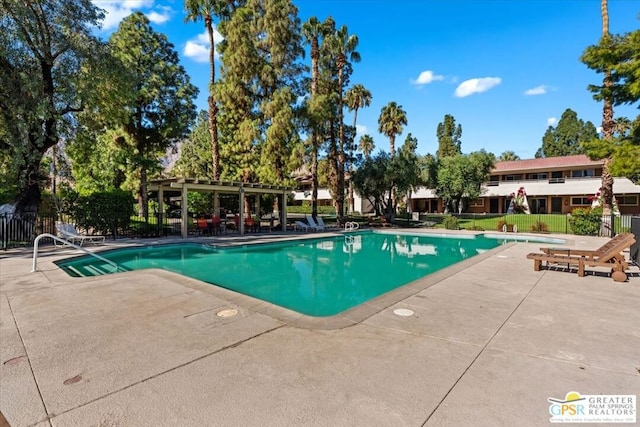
point(488, 343)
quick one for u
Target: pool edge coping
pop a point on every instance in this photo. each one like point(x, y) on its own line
point(345, 319)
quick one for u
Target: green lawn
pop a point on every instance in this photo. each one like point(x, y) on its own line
point(556, 223)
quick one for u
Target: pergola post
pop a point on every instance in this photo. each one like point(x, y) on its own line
point(241, 212)
point(185, 215)
point(283, 221)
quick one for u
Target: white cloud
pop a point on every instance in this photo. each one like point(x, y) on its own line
point(599, 129)
point(361, 129)
point(552, 121)
point(471, 86)
point(198, 48)
point(116, 10)
point(539, 90)
point(427, 77)
point(159, 18)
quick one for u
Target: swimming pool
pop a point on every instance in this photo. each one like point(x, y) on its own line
point(318, 277)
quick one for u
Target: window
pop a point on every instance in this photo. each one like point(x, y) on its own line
point(477, 203)
point(540, 175)
point(512, 177)
point(586, 173)
point(580, 201)
point(627, 200)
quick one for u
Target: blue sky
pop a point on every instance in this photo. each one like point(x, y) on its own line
point(504, 69)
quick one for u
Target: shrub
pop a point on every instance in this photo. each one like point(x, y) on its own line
point(450, 223)
point(586, 221)
point(539, 227)
point(106, 212)
point(475, 228)
point(502, 223)
point(322, 210)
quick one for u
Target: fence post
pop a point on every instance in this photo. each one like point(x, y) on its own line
point(613, 224)
point(5, 240)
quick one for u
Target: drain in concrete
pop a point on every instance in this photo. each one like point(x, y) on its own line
point(404, 312)
point(229, 312)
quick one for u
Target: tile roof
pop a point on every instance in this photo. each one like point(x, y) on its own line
point(546, 163)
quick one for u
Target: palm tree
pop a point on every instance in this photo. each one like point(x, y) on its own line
point(608, 124)
point(343, 46)
point(356, 97)
point(366, 145)
point(205, 10)
point(392, 118)
point(312, 31)
point(508, 156)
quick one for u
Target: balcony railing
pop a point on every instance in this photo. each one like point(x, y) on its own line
point(549, 180)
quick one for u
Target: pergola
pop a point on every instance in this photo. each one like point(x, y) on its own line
point(182, 186)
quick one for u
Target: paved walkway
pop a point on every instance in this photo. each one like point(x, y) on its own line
point(487, 345)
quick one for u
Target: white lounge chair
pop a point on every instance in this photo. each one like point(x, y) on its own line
point(325, 226)
point(313, 224)
point(302, 226)
point(71, 234)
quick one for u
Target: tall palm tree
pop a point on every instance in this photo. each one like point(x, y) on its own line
point(312, 31)
point(356, 97)
point(392, 118)
point(343, 45)
point(206, 10)
point(608, 123)
point(366, 145)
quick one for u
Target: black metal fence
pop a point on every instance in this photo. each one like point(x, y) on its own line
point(635, 248)
point(21, 231)
point(534, 223)
point(16, 231)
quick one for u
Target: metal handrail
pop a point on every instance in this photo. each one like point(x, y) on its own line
point(65, 242)
point(351, 225)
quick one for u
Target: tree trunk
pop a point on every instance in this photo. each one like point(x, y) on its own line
point(608, 124)
point(213, 108)
point(315, 54)
point(143, 205)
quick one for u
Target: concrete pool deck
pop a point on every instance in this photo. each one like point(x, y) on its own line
point(489, 342)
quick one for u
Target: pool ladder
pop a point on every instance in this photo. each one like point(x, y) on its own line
point(351, 225)
point(66, 242)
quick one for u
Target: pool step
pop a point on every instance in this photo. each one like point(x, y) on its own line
point(93, 270)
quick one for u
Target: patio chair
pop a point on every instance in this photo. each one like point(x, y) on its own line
point(313, 224)
point(70, 233)
point(608, 255)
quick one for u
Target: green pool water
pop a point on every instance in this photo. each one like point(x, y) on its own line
point(313, 277)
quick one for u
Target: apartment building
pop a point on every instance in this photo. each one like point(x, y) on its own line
point(552, 185)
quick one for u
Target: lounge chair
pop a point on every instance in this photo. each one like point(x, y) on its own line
point(71, 234)
point(299, 225)
point(325, 226)
point(313, 224)
point(608, 255)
